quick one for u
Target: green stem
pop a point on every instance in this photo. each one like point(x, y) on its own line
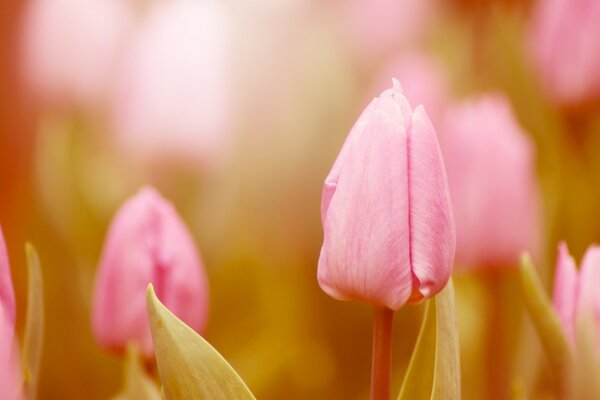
point(381, 370)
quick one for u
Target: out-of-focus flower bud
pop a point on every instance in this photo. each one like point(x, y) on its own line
point(576, 293)
point(174, 93)
point(70, 49)
point(376, 29)
point(491, 173)
point(8, 361)
point(565, 290)
point(389, 231)
point(147, 242)
point(565, 48)
point(424, 81)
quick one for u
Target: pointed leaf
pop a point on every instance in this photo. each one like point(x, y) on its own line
point(137, 384)
point(434, 369)
point(34, 323)
point(189, 367)
point(547, 325)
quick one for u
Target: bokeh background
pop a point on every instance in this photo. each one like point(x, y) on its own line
point(235, 110)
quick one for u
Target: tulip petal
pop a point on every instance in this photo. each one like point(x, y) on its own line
point(565, 290)
point(432, 235)
point(588, 300)
point(365, 253)
point(189, 367)
point(8, 373)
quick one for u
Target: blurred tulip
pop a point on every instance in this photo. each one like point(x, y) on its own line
point(8, 362)
point(565, 290)
point(389, 231)
point(147, 242)
point(576, 293)
point(491, 172)
point(70, 48)
point(174, 94)
point(424, 81)
point(377, 29)
point(565, 47)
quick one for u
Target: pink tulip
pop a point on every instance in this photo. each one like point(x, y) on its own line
point(576, 293)
point(491, 172)
point(424, 81)
point(175, 90)
point(147, 242)
point(8, 360)
point(376, 29)
point(565, 48)
point(70, 48)
point(389, 231)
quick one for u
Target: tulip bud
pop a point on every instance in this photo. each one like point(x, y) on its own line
point(576, 293)
point(388, 227)
point(565, 49)
point(147, 242)
point(491, 174)
point(70, 48)
point(565, 290)
point(174, 92)
point(8, 361)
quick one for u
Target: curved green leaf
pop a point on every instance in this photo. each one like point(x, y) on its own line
point(547, 325)
point(189, 367)
point(137, 384)
point(434, 369)
point(34, 323)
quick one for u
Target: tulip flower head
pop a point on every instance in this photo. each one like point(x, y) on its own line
point(491, 172)
point(174, 92)
point(70, 48)
point(8, 363)
point(147, 243)
point(388, 226)
point(576, 292)
point(565, 49)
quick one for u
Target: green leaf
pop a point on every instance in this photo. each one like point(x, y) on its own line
point(137, 384)
point(434, 369)
point(34, 323)
point(547, 325)
point(189, 367)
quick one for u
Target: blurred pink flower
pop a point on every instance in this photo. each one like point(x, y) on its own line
point(8, 360)
point(70, 48)
point(376, 29)
point(423, 80)
point(491, 171)
point(175, 90)
point(389, 232)
point(565, 47)
point(147, 243)
point(575, 292)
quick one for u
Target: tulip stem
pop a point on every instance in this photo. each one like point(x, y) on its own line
point(381, 369)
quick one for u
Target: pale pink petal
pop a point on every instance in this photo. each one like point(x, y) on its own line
point(588, 296)
point(365, 252)
point(432, 235)
point(8, 360)
point(565, 290)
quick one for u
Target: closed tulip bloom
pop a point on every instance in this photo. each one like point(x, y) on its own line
point(565, 48)
point(175, 89)
point(70, 48)
point(388, 227)
point(8, 362)
point(491, 173)
point(576, 292)
point(147, 242)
